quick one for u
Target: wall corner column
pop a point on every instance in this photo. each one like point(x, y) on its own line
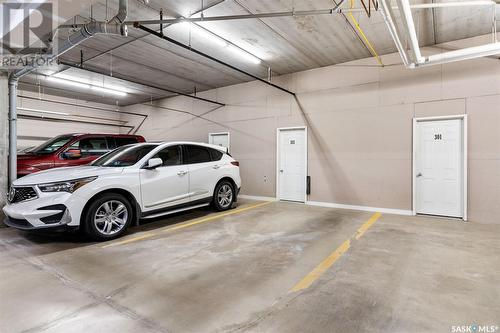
point(4, 143)
point(12, 129)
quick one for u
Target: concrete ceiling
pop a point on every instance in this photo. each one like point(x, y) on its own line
point(286, 45)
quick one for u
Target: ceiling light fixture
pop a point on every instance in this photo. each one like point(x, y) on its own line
point(109, 91)
point(244, 54)
point(68, 82)
point(86, 86)
point(43, 111)
point(202, 33)
point(208, 35)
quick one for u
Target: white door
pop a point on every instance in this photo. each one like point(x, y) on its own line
point(439, 168)
point(292, 148)
point(167, 185)
point(219, 139)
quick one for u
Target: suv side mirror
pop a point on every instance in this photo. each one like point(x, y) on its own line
point(154, 163)
point(72, 154)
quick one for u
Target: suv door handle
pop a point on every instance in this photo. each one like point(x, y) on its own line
point(216, 166)
point(181, 173)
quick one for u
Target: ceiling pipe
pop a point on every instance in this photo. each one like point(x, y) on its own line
point(141, 83)
point(114, 26)
point(81, 106)
point(409, 25)
point(122, 122)
point(437, 59)
point(351, 27)
point(62, 120)
point(290, 14)
point(462, 54)
point(187, 47)
point(453, 4)
point(362, 34)
point(388, 14)
point(329, 11)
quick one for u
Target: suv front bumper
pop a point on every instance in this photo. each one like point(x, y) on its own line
point(49, 210)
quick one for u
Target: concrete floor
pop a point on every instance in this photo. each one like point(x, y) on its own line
point(234, 273)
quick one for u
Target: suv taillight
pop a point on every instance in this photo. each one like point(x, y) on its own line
point(236, 163)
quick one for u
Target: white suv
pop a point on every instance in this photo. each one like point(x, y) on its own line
point(133, 182)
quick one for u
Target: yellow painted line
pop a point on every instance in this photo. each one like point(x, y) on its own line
point(186, 225)
point(322, 267)
point(309, 279)
point(361, 231)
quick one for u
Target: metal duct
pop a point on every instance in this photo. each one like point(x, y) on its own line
point(114, 26)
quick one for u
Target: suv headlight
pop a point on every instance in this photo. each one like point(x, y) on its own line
point(69, 186)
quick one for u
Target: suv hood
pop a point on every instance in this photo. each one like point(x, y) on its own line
point(63, 174)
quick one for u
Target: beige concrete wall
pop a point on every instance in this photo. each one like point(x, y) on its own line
point(359, 117)
point(34, 132)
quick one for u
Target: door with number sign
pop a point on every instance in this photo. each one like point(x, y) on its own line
point(292, 164)
point(439, 169)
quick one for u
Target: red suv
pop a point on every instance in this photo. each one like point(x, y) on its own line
point(70, 150)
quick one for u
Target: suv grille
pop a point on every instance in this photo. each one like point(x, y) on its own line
point(22, 194)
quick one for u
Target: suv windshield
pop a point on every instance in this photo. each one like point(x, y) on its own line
point(124, 156)
point(52, 145)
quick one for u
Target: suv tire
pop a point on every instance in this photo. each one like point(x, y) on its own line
point(224, 196)
point(108, 217)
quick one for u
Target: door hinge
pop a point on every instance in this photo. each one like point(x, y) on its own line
point(308, 187)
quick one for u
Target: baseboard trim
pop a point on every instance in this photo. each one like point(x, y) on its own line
point(336, 205)
point(361, 208)
point(256, 197)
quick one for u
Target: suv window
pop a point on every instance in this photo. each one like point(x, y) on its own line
point(170, 156)
point(216, 154)
point(115, 142)
point(52, 145)
point(122, 141)
point(91, 146)
point(197, 154)
point(111, 142)
point(124, 156)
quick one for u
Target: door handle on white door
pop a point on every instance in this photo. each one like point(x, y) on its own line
point(419, 174)
point(181, 173)
point(216, 166)
point(281, 170)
